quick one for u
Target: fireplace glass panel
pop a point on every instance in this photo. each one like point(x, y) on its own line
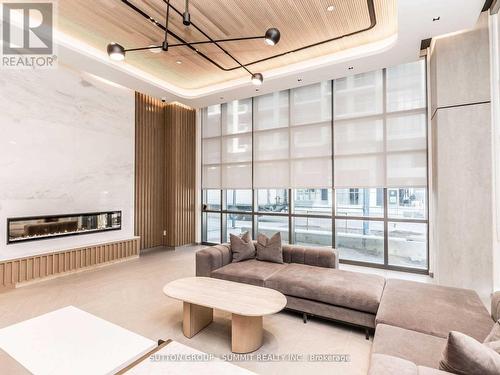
point(35, 228)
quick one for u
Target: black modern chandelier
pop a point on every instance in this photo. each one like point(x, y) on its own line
point(272, 36)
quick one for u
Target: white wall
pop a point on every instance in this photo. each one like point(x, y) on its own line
point(66, 146)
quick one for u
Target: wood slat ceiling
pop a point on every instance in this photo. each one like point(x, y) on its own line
point(301, 22)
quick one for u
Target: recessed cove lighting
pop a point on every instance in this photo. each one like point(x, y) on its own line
point(436, 19)
point(330, 8)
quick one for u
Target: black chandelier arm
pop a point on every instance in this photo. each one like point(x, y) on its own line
point(272, 36)
point(187, 44)
point(217, 41)
point(210, 40)
point(373, 23)
point(141, 48)
point(371, 12)
point(196, 43)
point(146, 16)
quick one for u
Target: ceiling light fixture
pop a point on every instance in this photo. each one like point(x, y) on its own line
point(179, 62)
point(436, 19)
point(257, 79)
point(271, 37)
point(116, 52)
point(330, 8)
point(186, 17)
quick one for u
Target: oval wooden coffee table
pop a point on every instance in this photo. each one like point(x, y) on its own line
point(247, 304)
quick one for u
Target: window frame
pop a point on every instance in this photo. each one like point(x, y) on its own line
point(255, 213)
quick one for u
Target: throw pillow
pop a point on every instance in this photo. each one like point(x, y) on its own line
point(242, 247)
point(269, 249)
point(493, 339)
point(464, 355)
point(495, 345)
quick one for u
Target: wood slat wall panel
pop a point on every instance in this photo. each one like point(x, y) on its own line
point(180, 171)
point(149, 167)
point(40, 266)
point(165, 173)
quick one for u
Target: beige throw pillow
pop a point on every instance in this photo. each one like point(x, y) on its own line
point(269, 249)
point(242, 247)
point(493, 339)
point(464, 355)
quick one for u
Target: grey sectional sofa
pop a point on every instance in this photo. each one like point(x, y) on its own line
point(411, 319)
point(309, 278)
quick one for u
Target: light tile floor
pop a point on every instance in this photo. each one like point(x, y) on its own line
point(130, 294)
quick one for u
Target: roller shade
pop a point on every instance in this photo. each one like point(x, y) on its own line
point(227, 145)
point(377, 145)
point(271, 141)
point(379, 135)
point(310, 136)
point(211, 147)
point(406, 125)
point(236, 145)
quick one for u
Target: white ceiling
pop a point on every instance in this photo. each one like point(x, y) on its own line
point(414, 24)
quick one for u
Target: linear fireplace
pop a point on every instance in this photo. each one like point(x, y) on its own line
point(22, 229)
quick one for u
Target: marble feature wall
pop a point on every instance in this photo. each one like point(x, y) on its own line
point(66, 146)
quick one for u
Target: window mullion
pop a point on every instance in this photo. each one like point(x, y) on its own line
point(334, 201)
point(386, 224)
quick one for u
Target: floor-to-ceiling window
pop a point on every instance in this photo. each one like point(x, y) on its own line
point(340, 163)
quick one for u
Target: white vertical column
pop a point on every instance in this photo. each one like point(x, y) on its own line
point(462, 157)
point(495, 121)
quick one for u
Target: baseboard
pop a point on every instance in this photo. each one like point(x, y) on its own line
point(25, 271)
